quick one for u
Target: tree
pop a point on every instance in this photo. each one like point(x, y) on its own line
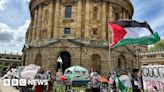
point(158, 46)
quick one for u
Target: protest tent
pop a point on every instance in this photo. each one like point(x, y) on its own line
point(77, 71)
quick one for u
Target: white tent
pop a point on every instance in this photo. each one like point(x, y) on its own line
point(78, 71)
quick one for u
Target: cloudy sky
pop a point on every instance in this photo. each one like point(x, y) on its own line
point(14, 20)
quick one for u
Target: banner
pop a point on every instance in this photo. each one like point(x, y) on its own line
point(153, 78)
point(30, 71)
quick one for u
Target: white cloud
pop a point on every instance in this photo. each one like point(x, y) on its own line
point(2, 4)
point(16, 37)
point(28, 0)
point(150, 11)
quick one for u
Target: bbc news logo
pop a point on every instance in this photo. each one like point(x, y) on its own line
point(24, 82)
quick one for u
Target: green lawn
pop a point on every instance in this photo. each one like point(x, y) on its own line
point(61, 88)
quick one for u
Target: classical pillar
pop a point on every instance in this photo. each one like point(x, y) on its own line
point(50, 19)
point(56, 19)
point(42, 23)
point(34, 25)
point(104, 22)
point(110, 19)
point(30, 31)
point(61, 17)
point(124, 14)
point(127, 15)
point(79, 18)
point(87, 15)
point(110, 37)
point(39, 22)
point(110, 12)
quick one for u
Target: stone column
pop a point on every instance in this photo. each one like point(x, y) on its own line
point(110, 19)
point(61, 17)
point(50, 19)
point(30, 31)
point(43, 23)
point(104, 23)
point(56, 19)
point(34, 25)
point(87, 16)
point(124, 14)
point(79, 19)
point(110, 12)
point(110, 37)
point(127, 15)
point(39, 23)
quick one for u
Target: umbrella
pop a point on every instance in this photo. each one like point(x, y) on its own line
point(76, 71)
point(103, 79)
point(126, 81)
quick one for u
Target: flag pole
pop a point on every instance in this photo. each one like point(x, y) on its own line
point(61, 67)
point(110, 51)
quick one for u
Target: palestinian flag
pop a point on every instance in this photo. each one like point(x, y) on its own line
point(120, 85)
point(132, 32)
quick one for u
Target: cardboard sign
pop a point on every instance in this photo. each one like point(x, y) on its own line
point(30, 71)
point(153, 78)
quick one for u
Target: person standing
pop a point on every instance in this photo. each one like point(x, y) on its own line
point(68, 80)
point(136, 82)
point(95, 79)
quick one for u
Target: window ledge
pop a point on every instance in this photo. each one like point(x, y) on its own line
point(68, 19)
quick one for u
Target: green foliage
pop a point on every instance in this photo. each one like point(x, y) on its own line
point(158, 46)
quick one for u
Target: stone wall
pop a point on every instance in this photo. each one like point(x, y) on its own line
point(88, 42)
point(48, 19)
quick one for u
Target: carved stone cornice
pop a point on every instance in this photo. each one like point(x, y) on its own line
point(123, 3)
point(87, 43)
point(68, 1)
point(35, 3)
point(126, 4)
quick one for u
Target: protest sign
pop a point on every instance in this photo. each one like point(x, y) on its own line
point(153, 78)
point(30, 71)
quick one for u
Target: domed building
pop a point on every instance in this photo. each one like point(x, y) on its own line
point(77, 31)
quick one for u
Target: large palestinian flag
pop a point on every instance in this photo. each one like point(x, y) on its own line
point(132, 32)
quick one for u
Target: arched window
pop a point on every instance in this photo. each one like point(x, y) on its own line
point(95, 62)
point(95, 31)
point(38, 59)
point(121, 63)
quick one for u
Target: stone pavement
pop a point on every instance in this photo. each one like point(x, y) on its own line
point(6, 88)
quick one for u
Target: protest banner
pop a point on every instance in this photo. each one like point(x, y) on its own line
point(153, 78)
point(30, 71)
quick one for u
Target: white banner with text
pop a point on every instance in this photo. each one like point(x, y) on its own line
point(153, 78)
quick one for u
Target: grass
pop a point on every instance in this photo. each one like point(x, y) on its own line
point(62, 88)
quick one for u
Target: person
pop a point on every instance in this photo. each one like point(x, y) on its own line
point(58, 75)
point(136, 82)
point(112, 84)
point(95, 79)
point(68, 80)
point(50, 81)
point(39, 88)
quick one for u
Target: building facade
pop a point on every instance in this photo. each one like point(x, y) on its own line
point(77, 31)
point(152, 58)
point(7, 60)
